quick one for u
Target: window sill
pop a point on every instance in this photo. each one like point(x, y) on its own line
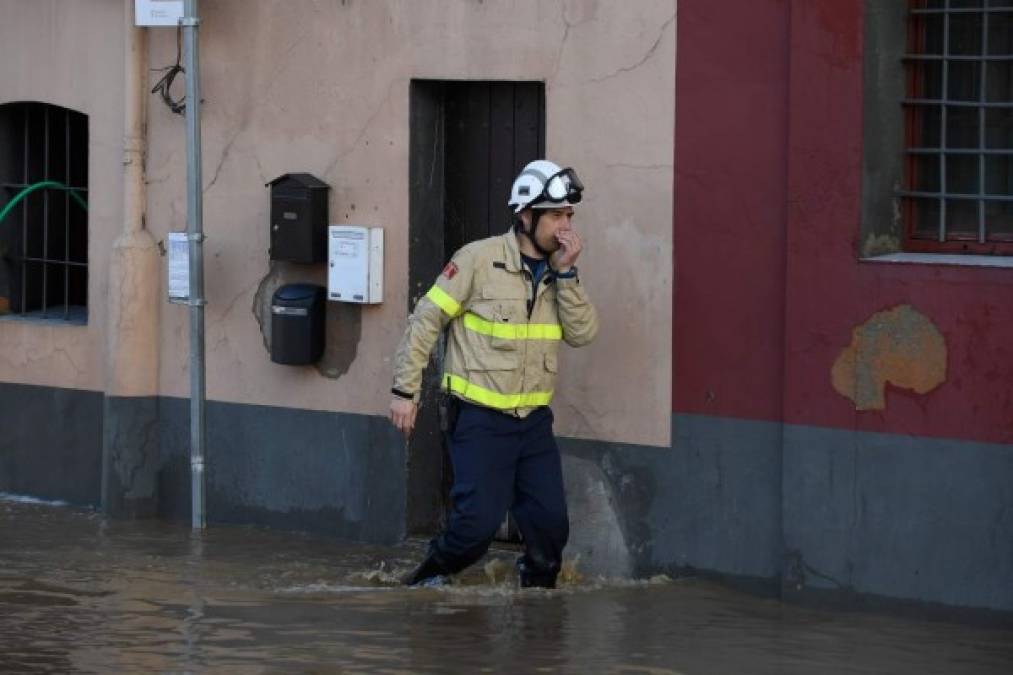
point(77, 316)
point(952, 259)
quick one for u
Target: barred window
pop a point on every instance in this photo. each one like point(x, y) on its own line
point(43, 212)
point(957, 191)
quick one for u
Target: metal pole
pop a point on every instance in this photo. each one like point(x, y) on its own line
point(195, 236)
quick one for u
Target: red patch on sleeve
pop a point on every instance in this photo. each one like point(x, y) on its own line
point(450, 270)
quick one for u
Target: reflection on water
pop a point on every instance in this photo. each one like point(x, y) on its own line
point(80, 593)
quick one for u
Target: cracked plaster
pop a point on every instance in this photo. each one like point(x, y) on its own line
point(650, 52)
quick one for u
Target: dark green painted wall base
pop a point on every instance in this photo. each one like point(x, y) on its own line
point(899, 516)
point(710, 501)
point(130, 457)
point(51, 443)
point(793, 510)
point(333, 473)
point(822, 513)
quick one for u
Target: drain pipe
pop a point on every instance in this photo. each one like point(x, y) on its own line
point(195, 236)
point(129, 447)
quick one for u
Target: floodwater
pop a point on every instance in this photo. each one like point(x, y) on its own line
point(79, 593)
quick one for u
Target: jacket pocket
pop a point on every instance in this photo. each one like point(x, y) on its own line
point(498, 309)
point(507, 319)
point(497, 321)
point(491, 360)
point(500, 318)
point(503, 291)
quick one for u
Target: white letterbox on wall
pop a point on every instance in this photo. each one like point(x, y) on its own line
point(355, 264)
point(157, 12)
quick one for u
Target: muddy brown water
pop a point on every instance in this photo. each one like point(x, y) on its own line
point(80, 593)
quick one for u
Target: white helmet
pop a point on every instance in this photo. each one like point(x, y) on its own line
point(544, 185)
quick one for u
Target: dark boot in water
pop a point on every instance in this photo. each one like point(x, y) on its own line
point(534, 577)
point(430, 572)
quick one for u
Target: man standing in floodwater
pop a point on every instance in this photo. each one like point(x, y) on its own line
point(508, 300)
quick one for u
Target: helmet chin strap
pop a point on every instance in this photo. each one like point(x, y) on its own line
point(536, 215)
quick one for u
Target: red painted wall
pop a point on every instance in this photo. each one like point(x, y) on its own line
point(768, 199)
point(730, 182)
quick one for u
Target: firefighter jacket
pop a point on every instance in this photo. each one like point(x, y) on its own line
point(504, 338)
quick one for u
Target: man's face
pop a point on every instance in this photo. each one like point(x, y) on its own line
point(552, 221)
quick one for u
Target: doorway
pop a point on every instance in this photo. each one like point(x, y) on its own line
point(468, 141)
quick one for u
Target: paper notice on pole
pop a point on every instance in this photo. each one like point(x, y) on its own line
point(179, 267)
point(157, 12)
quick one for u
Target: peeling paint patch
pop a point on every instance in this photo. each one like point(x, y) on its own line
point(343, 325)
point(900, 346)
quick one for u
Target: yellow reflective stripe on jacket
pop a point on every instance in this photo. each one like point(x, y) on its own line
point(511, 331)
point(443, 300)
point(494, 399)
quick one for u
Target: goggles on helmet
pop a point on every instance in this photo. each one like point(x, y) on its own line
point(561, 187)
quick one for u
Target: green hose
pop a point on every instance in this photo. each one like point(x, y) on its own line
point(38, 186)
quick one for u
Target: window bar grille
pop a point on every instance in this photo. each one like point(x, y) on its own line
point(944, 94)
point(960, 151)
point(24, 221)
point(66, 218)
point(961, 10)
point(958, 104)
point(981, 152)
point(960, 57)
point(955, 195)
point(45, 211)
point(47, 263)
point(981, 128)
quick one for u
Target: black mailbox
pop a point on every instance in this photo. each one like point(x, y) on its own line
point(299, 218)
point(297, 324)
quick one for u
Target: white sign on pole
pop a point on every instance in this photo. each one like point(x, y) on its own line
point(179, 267)
point(157, 12)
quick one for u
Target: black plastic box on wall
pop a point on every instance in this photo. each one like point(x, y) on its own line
point(298, 218)
point(298, 314)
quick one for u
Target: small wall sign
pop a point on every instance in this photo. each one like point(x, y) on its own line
point(179, 267)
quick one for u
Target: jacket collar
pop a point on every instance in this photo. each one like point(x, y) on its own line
point(512, 251)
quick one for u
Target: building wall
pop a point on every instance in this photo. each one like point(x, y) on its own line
point(966, 304)
point(778, 320)
point(731, 136)
point(746, 438)
point(940, 511)
point(51, 55)
point(324, 88)
point(52, 374)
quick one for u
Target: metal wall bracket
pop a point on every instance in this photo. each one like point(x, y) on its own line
point(200, 302)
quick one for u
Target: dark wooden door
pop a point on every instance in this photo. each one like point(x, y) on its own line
point(492, 129)
point(468, 141)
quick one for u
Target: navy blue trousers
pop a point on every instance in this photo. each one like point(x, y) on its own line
point(502, 462)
